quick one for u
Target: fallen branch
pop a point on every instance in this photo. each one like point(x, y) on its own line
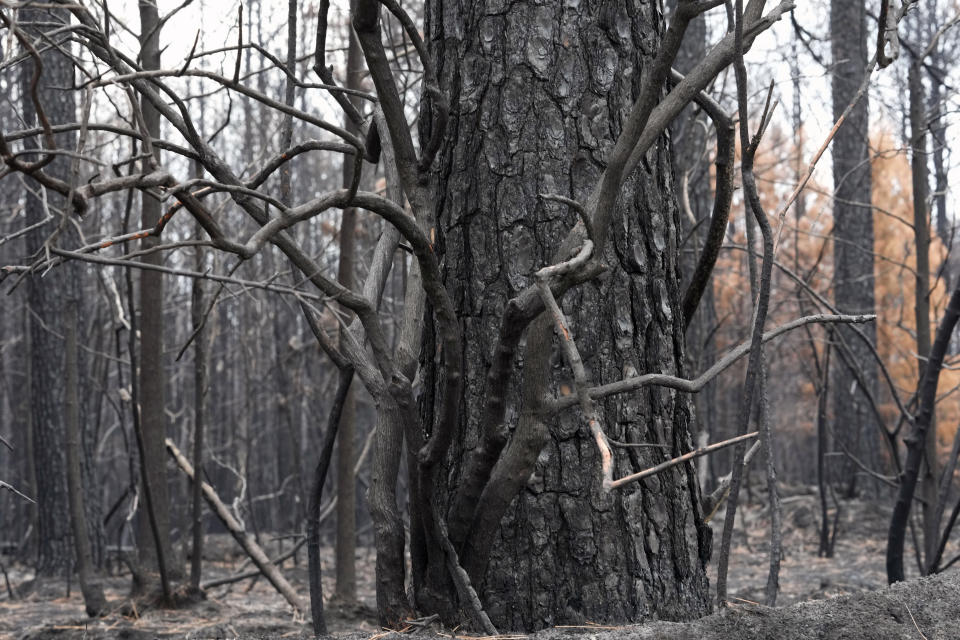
point(239, 534)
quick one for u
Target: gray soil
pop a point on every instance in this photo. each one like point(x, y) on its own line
point(923, 608)
point(839, 597)
point(917, 609)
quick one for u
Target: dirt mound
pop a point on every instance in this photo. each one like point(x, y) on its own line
point(924, 608)
point(920, 608)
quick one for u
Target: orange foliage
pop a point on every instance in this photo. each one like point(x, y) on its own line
point(806, 248)
point(895, 270)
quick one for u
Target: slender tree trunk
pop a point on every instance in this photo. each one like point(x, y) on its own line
point(199, 420)
point(334, 423)
point(392, 605)
point(938, 133)
point(916, 442)
point(762, 413)
point(289, 446)
point(90, 584)
point(346, 538)
point(826, 547)
point(152, 375)
point(921, 229)
point(346, 482)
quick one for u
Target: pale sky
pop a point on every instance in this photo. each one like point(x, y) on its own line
point(217, 20)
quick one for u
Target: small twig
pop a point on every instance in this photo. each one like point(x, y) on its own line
point(206, 315)
point(219, 582)
point(10, 487)
point(236, 66)
point(423, 622)
point(914, 620)
point(721, 365)
point(713, 501)
point(696, 453)
point(25, 230)
point(785, 206)
point(576, 206)
point(193, 50)
point(638, 445)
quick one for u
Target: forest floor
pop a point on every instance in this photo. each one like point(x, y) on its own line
point(847, 584)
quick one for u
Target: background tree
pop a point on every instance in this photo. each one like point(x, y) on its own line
point(346, 447)
point(45, 97)
point(853, 276)
point(153, 533)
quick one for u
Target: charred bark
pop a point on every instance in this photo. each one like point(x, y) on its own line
point(46, 300)
point(538, 94)
point(853, 280)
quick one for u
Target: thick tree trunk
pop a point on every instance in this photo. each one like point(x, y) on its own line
point(537, 95)
point(46, 299)
point(853, 279)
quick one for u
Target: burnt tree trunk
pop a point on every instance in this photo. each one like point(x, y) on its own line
point(537, 95)
point(346, 541)
point(853, 279)
point(90, 584)
point(921, 296)
point(156, 555)
point(46, 299)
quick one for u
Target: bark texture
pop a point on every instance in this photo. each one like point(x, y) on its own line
point(853, 280)
point(46, 299)
point(94, 600)
point(152, 374)
point(538, 93)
